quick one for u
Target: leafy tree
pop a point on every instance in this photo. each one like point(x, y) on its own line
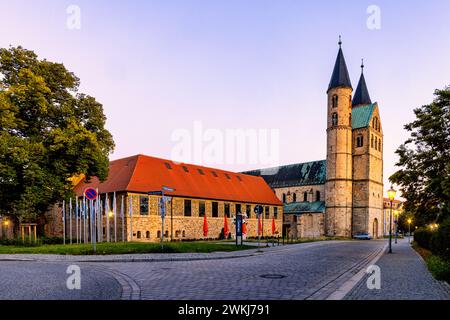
point(424, 175)
point(49, 132)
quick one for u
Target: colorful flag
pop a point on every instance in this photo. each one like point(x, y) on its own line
point(205, 227)
point(244, 228)
point(259, 227)
point(274, 226)
point(225, 227)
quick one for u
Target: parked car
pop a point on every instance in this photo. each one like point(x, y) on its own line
point(362, 236)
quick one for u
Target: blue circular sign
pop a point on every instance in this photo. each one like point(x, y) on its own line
point(91, 194)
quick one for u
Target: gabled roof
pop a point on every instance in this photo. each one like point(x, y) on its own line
point(361, 115)
point(304, 207)
point(361, 96)
point(340, 77)
point(300, 174)
point(142, 174)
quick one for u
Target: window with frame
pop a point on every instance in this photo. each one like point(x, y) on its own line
point(359, 141)
point(334, 101)
point(294, 197)
point(284, 197)
point(275, 212)
point(248, 210)
point(371, 141)
point(187, 208)
point(334, 119)
point(215, 209)
point(227, 209)
point(267, 212)
point(143, 205)
point(379, 145)
point(305, 196)
point(317, 196)
point(238, 208)
point(201, 209)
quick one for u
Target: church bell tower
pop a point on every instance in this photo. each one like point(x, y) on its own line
point(338, 185)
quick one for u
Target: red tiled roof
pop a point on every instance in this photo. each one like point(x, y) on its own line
point(142, 174)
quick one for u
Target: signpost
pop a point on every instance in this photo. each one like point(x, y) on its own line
point(239, 237)
point(162, 207)
point(92, 194)
point(258, 211)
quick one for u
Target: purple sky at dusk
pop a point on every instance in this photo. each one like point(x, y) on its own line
point(159, 66)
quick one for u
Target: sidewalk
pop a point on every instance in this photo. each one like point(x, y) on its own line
point(404, 276)
point(158, 257)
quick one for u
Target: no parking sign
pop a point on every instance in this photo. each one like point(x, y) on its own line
point(91, 194)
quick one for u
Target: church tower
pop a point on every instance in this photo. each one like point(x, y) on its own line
point(339, 184)
point(367, 163)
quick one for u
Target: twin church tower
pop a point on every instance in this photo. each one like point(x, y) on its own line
point(354, 164)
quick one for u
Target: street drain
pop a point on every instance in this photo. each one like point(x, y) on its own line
point(273, 276)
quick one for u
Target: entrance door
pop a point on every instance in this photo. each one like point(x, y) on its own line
point(375, 228)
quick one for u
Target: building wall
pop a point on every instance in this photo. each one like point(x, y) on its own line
point(299, 192)
point(307, 225)
point(338, 186)
point(368, 181)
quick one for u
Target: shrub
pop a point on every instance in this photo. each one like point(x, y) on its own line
point(423, 238)
point(439, 267)
point(440, 242)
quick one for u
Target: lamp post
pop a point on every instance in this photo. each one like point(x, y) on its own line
point(391, 195)
point(409, 230)
point(396, 225)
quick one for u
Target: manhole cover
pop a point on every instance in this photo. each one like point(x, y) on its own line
point(273, 276)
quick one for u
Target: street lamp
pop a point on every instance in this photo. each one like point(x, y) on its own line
point(110, 216)
point(391, 196)
point(409, 230)
point(396, 225)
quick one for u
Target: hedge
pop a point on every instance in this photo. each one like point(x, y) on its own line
point(438, 242)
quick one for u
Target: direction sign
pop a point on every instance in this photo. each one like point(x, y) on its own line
point(91, 194)
point(155, 193)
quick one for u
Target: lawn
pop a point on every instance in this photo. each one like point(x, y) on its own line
point(123, 248)
point(438, 267)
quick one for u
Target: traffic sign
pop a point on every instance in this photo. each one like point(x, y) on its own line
point(155, 193)
point(162, 207)
point(259, 209)
point(91, 194)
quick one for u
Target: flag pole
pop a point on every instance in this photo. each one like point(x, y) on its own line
point(70, 220)
point(107, 217)
point(131, 218)
point(64, 221)
point(115, 217)
point(76, 217)
point(122, 216)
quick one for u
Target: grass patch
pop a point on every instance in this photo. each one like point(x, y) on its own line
point(124, 248)
point(439, 268)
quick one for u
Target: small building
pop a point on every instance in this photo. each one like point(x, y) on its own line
point(198, 192)
point(304, 219)
point(397, 209)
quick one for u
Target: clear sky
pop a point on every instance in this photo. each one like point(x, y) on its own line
point(159, 66)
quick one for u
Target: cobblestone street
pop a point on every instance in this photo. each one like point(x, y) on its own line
point(303, 271)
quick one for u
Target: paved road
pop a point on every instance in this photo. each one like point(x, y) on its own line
point(303, 271)
point(47, 281)
point(404, 275)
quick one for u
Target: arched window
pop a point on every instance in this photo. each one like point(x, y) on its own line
point(139, 235)
point(317, 196)
point(359, 141)
point(376, 143)
point(371, 142)
point(294, 197)
point(184, 234)
point(147, 234)
point(334, 119)
point(379, 145)
point(334, 101)
point(159, 234)
point(305, 196)
point(284, 197)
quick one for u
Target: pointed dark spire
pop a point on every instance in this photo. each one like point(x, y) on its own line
point(361, 96)
point(340, 77)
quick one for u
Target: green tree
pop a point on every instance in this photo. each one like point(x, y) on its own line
point(49, 132)
point(424, 175)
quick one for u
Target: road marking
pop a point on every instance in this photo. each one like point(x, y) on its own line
point(345, 288)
